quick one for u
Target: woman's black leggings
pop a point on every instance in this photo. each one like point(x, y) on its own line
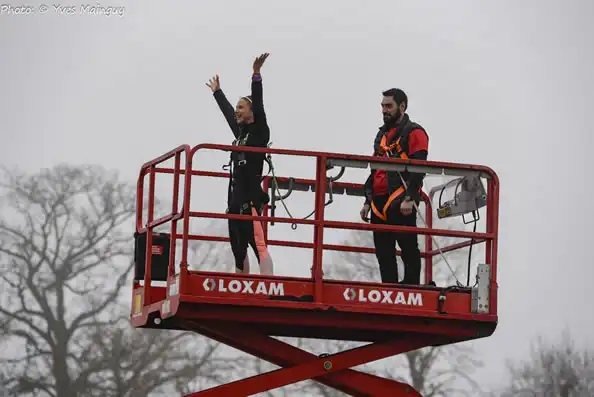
point(247, 199)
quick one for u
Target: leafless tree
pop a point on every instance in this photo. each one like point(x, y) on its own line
point(558, 369)
point(65, 257)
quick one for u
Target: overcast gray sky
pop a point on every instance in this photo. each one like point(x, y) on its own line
point(507, 84)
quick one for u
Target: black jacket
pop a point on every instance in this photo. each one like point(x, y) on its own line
point(255, 134)
point(247, 175)
point(414, 181)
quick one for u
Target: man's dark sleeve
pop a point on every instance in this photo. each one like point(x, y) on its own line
point(227, 110)
point(418, 149)
point(368, 188)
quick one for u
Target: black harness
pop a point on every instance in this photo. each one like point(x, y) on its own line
point(238, 159)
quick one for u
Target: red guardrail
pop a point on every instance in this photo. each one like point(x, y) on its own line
point(490, 237)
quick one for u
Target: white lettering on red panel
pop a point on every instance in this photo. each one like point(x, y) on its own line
point(244, 287)
point(384, 296)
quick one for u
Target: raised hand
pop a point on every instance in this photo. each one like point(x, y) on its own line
point(259, 61)
point(214, 83)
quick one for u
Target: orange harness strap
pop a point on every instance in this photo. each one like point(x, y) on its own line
point(384, 214)
point(385, 150)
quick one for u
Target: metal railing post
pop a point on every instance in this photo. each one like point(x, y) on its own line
point(318, 239)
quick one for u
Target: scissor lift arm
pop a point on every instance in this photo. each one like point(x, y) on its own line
point(332, 370)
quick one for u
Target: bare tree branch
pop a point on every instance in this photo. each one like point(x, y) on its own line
point(558, 369)
point(65, 256)
point(52, 238)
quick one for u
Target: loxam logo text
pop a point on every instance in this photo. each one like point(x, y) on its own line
point(384, 296)
point(244, 287)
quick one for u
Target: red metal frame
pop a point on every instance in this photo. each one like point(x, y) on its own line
point(243, 310)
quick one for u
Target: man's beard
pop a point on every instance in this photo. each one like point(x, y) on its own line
point(389, 119)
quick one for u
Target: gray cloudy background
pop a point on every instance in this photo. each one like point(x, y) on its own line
point(507, 84)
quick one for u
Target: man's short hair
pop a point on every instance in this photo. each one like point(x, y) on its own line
point(398, 95)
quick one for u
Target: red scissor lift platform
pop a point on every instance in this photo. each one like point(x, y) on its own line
point(245, 310)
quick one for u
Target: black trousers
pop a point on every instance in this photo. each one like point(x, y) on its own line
point(246, 194)
point(385, 244)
